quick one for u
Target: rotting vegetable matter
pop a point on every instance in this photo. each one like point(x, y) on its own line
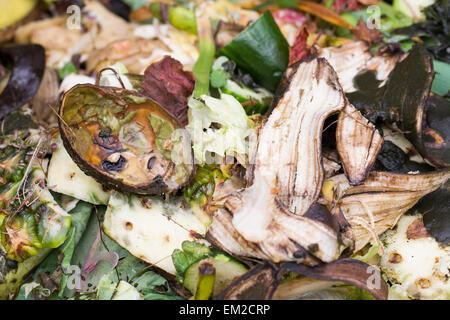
point(124, 140)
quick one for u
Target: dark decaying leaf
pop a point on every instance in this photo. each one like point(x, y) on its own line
point(17, 120)
point(168, 84)
point(435, 135)
point(350, 271)
point(435, 208)
point(27, 69)
point(435, 29)
point(392, 159)
point(119, 7)
point(257, 284)
point(364, 33)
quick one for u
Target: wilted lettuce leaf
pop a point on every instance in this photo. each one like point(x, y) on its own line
point(59, 259)
point(150, 285)
point(217, 126)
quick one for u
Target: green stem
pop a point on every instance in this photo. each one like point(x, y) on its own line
point(202, 67)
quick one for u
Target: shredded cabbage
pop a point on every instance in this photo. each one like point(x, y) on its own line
point(218, 126)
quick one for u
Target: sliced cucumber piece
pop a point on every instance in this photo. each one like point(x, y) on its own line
point(149, 228)
point(65, 177)
point(206, 280)
point(126, 291)
point(227, 270)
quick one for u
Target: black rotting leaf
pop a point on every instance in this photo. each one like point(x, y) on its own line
point(435, 208)
point(392, 159)
point(16, 120)
point(435, 133)
point(435, 29)
point(364, 99)
point(27, 69)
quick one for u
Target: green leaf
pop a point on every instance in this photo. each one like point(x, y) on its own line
point(191, 253)
point(261, 50)
point(134, 4)
point(135, 272)
point(291, 4)
point(67, 69)
point(218, 78)
point(441, 83)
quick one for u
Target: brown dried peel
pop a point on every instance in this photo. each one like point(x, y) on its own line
point(287, 177)
point(377, 204)
point(358, 144)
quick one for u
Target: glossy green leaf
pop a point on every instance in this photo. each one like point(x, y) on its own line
point(261, 50)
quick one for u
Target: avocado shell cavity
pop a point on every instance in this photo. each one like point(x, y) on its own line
point(126, 141)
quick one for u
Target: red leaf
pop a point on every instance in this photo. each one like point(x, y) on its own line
point(168, 84)
point(300, 49)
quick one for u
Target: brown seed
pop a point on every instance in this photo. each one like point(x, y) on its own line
point(146, 203)
point(129, 225)
point(423, 283)
point(395, 258)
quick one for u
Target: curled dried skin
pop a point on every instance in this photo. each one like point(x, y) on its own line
point(358, 143)
point(269, 218)
point(376, 205)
